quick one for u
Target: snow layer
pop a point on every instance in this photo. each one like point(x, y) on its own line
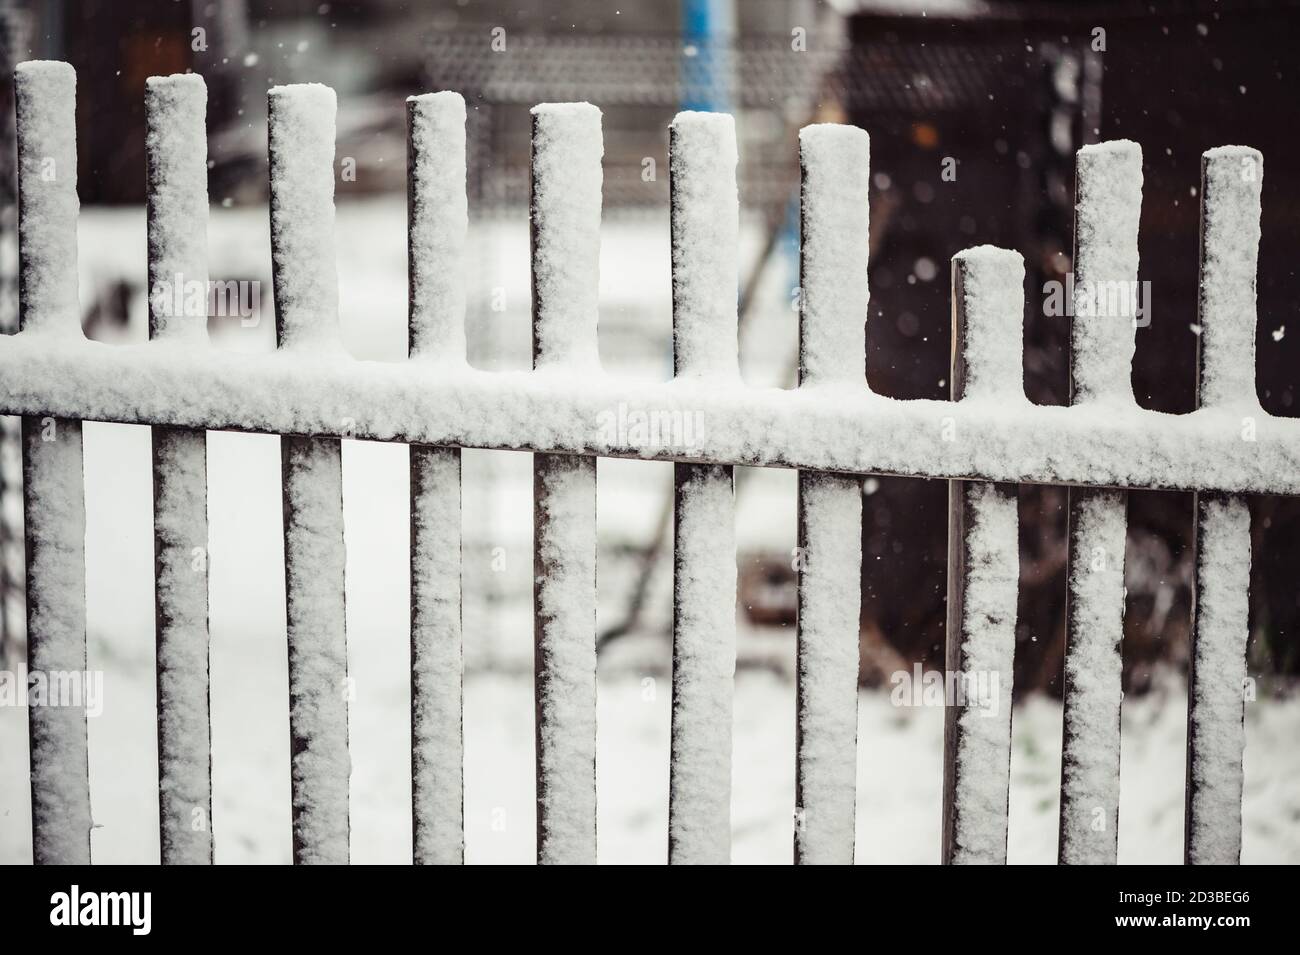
point(55, 513)
point(301, 129)
point(565, 607)
point(836, 162)
point(301, 126)
point(705, 227)
point(1109, 191)
point(835, 428)
point(437, 750)
point(45, 94)
point(53, 497)
point(438, 225)
point(318, 665)
point(439, 221)
point(1216, 735)
point(1231, 180)
point(176, 147)
point(180, 554)
point(988, 635)
point(704, 666)
point(832, 349)
point(991, 282)
point(1093, 668)
point(566, 180)
point(830, 596)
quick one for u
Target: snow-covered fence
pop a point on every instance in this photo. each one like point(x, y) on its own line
point(831, 427)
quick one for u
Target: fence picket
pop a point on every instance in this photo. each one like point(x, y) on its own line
point(438, 221)
point(176, 152)
point(301, 126)
point(983, 566)
point(565, 219)
point(705, 226)
point(1231, 181)
point(835, 173)
point(1109, 201)
point(53, 491)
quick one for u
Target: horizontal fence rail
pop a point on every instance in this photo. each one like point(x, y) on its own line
point(831, 427)
point(820, 427)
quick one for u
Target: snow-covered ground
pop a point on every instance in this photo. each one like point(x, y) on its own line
point(899, 749)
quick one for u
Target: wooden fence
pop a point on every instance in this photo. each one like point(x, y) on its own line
point(831, 427)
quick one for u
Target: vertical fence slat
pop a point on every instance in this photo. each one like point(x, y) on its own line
point(983, 567)
point(567, 148)
point(835, 176)
point(438, 221)
point(1231, 180)
point(176, 152)
point(705, 227)
point(53, 488)
point(1102, 340)
point(301, 120)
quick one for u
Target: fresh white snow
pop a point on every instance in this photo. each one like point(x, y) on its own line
point(1108, 182)
point(437, 751)
point(900, 765)
point(830, 591)
point(1219, 681)
point(992, 284)
point(319, 686)
point(567, 150)
point(54, 506)
point(53, 497)
point(436, 255)
point(565, 600)
point(439, 223)
point(704, 666)
point(833, 310)
point(1093, 671)
point(988, 642)
point(705, 224)
point(839, 428)
point(834, 424)
point(176, 146)
point(45, 94)
point(836, 163)
point(301, 124)
point(1110, 179)
point(181, 549)
point(1233, 177)
point(301, 133)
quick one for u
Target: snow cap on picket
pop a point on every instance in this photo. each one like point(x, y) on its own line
point(439, 222)
point(301, 124)
point(45, 102)
point(989, 309)
point(176, 151)
point(705, 231)
point(567, 149)
point(836, 165)
point(1231, 179)
point(1109, 203)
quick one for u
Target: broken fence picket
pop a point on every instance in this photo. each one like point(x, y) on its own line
point(831, 427)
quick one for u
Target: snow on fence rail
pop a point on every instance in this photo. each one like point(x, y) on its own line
point(831, 427)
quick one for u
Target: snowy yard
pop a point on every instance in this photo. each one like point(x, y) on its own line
point(899, 749)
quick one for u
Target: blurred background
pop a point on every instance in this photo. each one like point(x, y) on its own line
point(1001, 93)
